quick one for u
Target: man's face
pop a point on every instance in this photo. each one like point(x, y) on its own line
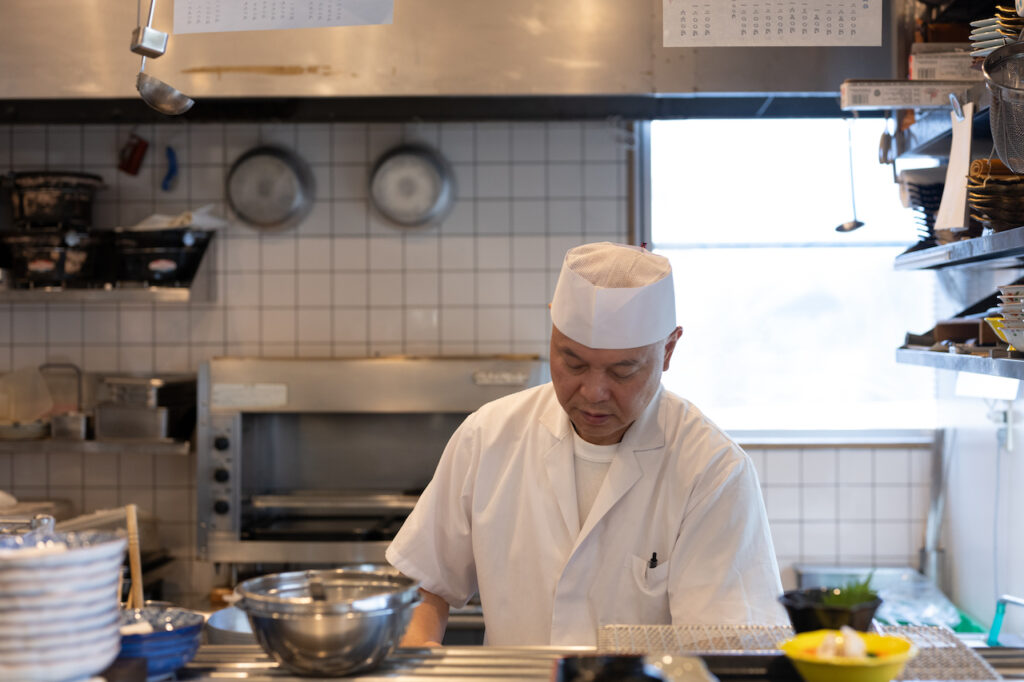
point(604, 391)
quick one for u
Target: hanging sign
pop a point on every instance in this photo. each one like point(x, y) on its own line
point(211, 16)
point(954, 210)
point(764, 23)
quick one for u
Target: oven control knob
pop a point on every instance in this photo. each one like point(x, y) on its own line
point(221, 443)
point(221, 475)
point(221, 506)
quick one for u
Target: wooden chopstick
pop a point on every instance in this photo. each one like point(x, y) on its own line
point(135, 598)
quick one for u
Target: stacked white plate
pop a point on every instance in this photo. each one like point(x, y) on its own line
point(59, 604)
point(988, 35)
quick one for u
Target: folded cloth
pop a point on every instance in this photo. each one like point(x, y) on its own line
point(7, 500)
point(200, 218)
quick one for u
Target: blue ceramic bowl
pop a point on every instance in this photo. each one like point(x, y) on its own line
point(173, 643)
point(168, 623)
point(146, 650)
point(158, 665)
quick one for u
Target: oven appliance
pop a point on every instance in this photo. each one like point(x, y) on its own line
point(319, 461)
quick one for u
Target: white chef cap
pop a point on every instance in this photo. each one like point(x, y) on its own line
point(614, 296)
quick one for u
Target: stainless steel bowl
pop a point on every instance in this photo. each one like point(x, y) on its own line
point(332, 622)
point(229, 626)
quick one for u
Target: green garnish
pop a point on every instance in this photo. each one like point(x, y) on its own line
point(852, 593)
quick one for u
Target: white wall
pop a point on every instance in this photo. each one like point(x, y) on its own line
point(345, 283)
point(983, 524)
point(984, 521)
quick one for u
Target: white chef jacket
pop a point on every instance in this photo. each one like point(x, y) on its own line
point(500, 517)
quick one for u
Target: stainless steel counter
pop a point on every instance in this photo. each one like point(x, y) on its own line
point(226, 662)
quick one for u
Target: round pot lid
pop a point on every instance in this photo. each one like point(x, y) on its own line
point(412, 185)
point(270, 187)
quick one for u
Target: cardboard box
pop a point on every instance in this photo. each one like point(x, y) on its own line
point(986, 335)
point(938, 66)
point(962, 330)
point(925, 48)
point(957, 330)
point(900, 94)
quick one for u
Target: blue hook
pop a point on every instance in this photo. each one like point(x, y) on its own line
point(172, 170)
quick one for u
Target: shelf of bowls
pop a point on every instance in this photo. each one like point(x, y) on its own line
point(1008, 322)
point(60, 612)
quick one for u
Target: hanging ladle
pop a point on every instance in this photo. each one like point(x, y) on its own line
point(149, 42)
point(160, 95)
point(850, 225)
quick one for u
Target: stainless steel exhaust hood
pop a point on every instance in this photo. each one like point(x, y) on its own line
point(80, 50)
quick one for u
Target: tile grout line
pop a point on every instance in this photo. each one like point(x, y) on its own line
point(476, 238)
point(331, 215)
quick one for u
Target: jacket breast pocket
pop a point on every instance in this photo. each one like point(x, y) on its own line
point(650, 581)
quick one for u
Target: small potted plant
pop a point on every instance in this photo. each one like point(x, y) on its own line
point(816, 608)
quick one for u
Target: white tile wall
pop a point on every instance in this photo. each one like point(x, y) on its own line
point(346, 283)
point(851, 506)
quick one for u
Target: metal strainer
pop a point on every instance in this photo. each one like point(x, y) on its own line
point(1004, 76)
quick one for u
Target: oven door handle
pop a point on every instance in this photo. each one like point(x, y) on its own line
point(370, 503)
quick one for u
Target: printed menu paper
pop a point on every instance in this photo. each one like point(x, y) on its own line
point(764, 23)
point(211, 16)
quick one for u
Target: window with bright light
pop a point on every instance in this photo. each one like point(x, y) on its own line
point(788, 324)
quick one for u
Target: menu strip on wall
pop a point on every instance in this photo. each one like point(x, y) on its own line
point(210, 16)
point(763, 23)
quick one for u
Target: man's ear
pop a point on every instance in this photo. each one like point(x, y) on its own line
point(670, 346)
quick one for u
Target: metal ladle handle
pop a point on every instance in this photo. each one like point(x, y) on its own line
point(152, 10)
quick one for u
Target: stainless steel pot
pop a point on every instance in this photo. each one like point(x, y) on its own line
point(331, 622)
point(73, 424)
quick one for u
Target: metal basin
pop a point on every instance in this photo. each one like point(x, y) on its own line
point(229, 626)
point(327, 623)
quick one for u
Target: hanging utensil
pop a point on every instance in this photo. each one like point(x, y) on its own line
point(270, 188)
point(160, 95)
point(146, 40)
point(850, 225)
point(149, 42)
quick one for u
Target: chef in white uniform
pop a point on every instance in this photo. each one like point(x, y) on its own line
point(599, 498)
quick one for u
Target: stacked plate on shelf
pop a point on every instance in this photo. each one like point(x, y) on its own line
point(921, 191)
point(58, 604)
point(992, 33)
point(995, 195)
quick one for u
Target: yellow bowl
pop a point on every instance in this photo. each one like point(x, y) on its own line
point(886, 657)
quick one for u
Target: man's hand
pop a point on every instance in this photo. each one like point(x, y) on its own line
point(428, 623)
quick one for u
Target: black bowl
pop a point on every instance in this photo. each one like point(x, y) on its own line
point(605, 668)
point(808, 612)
